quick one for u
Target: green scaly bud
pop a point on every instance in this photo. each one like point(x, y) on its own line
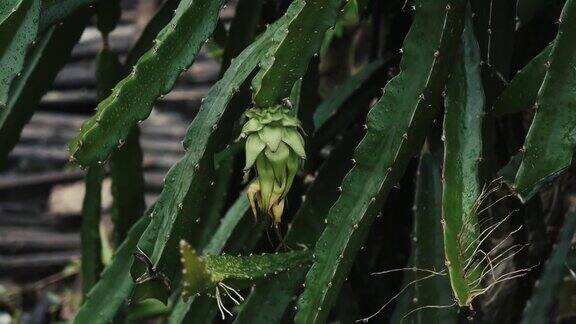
point(276, 148)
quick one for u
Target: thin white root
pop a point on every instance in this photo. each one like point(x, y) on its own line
point(366, 319)
point(440, 273)
point(427, 307)
point(514, 250)
point(227, 289)
point(505, 277)
point(486, 255)
point(221, 306)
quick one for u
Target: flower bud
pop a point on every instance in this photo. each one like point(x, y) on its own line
point(275, 147)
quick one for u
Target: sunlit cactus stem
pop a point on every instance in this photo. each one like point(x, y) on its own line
point(275, 147)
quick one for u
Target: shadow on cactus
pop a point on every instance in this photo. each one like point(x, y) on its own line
point(275, 148)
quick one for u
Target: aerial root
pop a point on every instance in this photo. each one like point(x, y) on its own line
point(440, 273)
point(505, 255)
point(413, 282)
point(505, 277)
point(484, 235)
point(223, 310)
point(487, 255)
point(427, 307)
point(229, 291)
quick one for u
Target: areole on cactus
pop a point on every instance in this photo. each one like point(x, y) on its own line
point(275, 147)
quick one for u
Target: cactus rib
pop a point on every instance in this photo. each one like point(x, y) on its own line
point(290, 60)
point(156, 71)
point(90, 232)
point(46, 58)
point(127, 185)
point(551, 139)
point(462, 152)
point(396, 128)
point(522, 91)
point(18, 30)
point(146, 40)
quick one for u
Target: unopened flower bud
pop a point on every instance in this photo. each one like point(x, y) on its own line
point(275, 147)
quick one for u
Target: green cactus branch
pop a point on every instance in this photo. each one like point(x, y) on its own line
point(92, 264)
point(350, 108)
point(464, 109)
point(238, 235)
point(522, 91)
point(126, 162)
point(150, 32)
point(127, 185)
point(156, 71)
point(18, 30)
point(45, 59)
point(242, 30)
point(54, 11)
point(8, 8)
point(289, 61)
point(401, 118)
point(203, 273)
point(551, 139)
